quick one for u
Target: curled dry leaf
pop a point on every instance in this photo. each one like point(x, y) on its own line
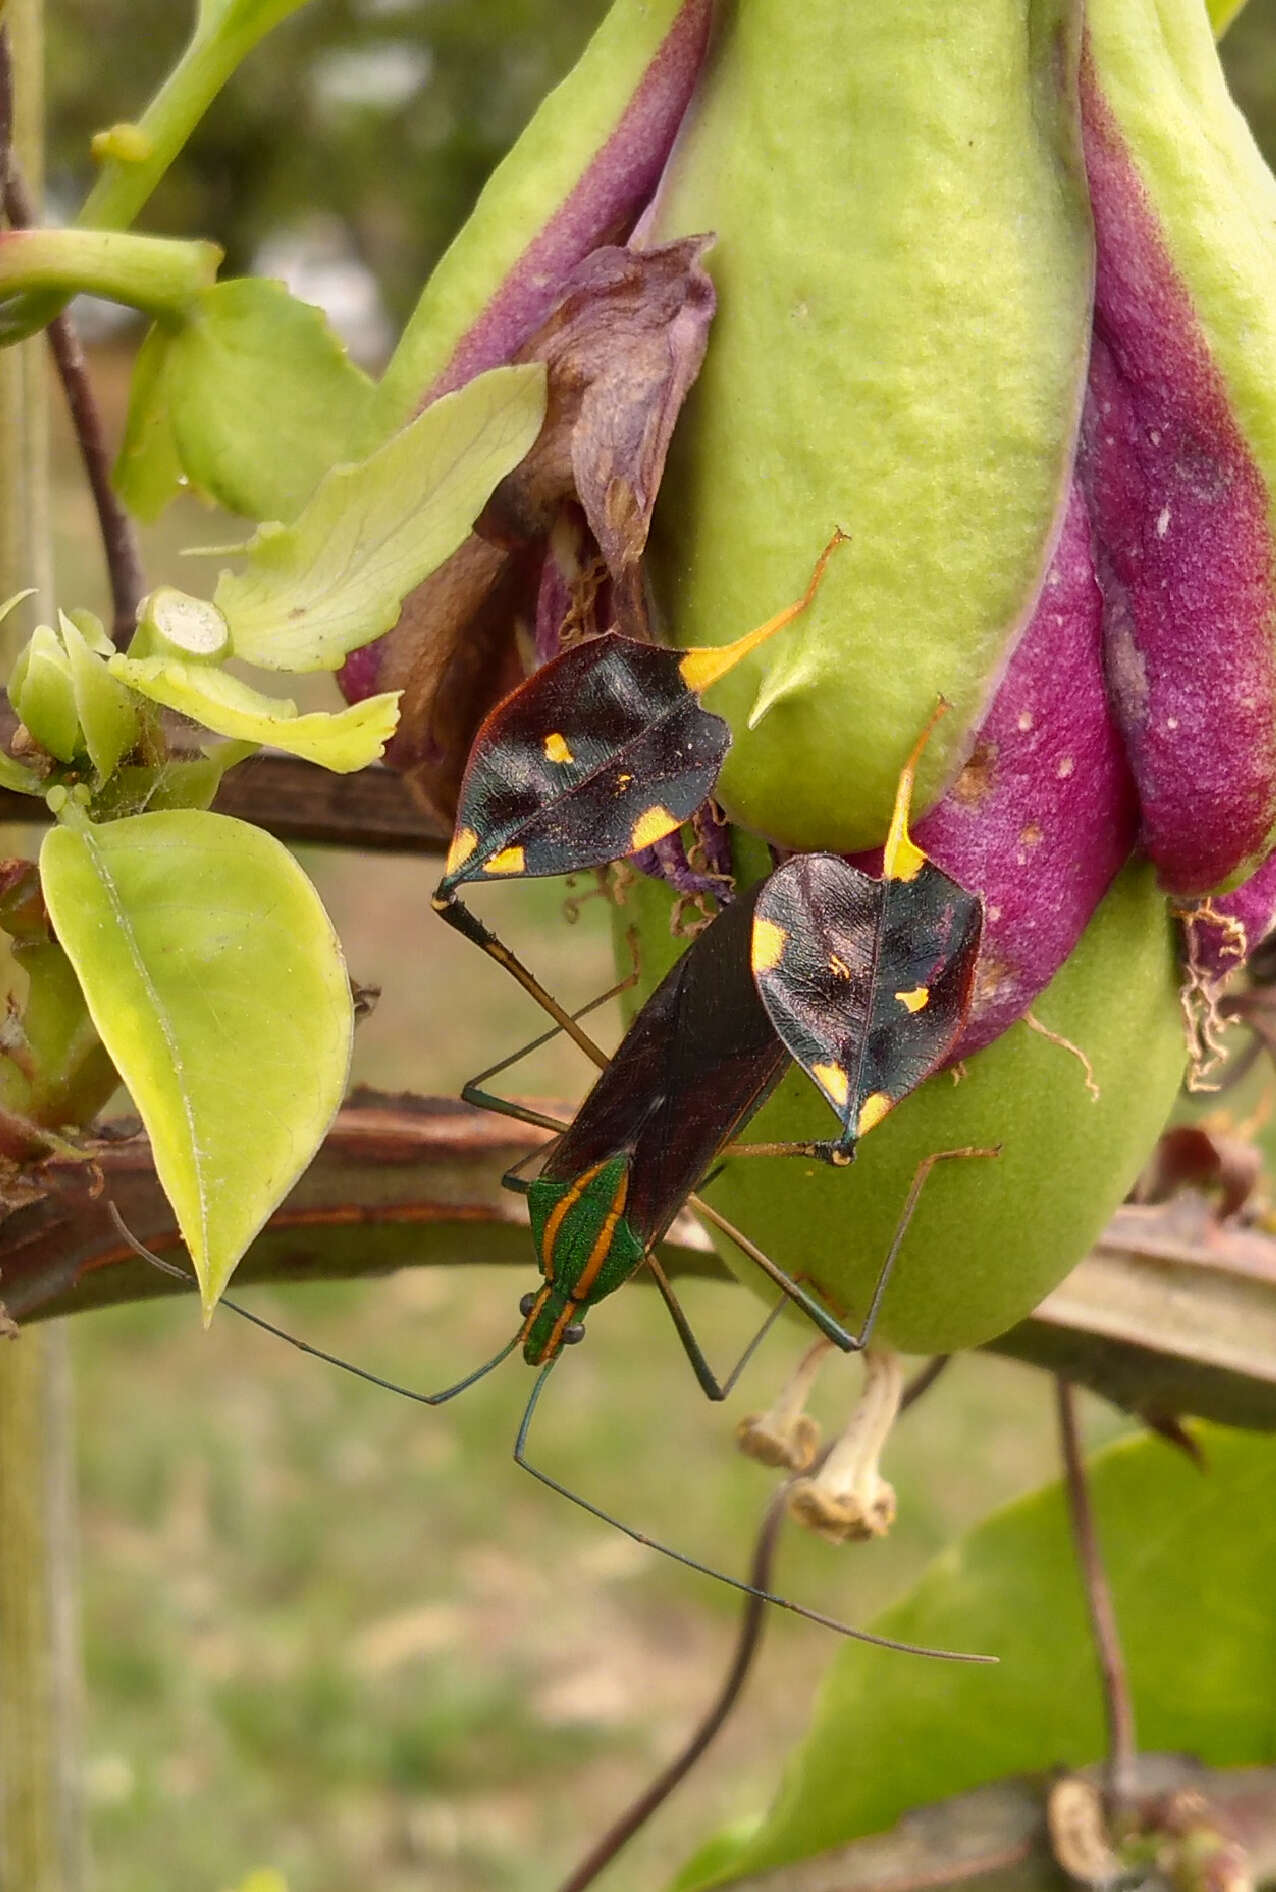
point(623, 342)
point(623, 345)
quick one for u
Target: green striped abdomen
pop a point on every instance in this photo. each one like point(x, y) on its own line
point(585, 1250)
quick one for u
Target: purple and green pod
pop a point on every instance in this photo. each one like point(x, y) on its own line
point(996, 293)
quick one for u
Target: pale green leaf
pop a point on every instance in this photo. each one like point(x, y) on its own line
point(347, 740)
point(217, 985)
point(106, 708)
point(11, 604)
point(148, 471)
point(22, 781)
point(1189, 1554)
point(317, 590)
point(91, 629)
point(262, 397)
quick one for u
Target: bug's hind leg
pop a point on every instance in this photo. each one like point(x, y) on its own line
point(710, 1384)
point(640, 1537)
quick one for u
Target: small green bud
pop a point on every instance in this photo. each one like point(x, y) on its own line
point(124, 143)
point(108, 711)
point(42, 692)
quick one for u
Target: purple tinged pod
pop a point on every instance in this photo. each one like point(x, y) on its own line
point(1222, 932)
point(1044, 814)
point(1178, 448)
point(579, 177)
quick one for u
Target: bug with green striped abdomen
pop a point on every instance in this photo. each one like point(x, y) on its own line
point(864, 981)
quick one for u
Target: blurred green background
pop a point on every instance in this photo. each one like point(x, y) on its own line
point(325, 1631)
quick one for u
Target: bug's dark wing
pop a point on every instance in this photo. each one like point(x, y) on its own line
point(868, 982)
point(603, 751)
point(697, 1061)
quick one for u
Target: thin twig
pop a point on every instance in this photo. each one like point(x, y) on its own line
point(1118, 1706)
point(119, 540)
point(923, 1380)
point(753, 1620)
point(748, 1641)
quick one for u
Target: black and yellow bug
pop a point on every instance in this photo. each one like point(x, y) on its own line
point(864, 981)
point(868, 980)
point(602, 752)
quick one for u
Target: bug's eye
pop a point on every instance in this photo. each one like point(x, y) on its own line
point(526, 1305)
point(573, 1333)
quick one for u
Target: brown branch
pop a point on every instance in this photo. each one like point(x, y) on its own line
point(1169, 1317)
point(119, 540)
point(1117, 1701)
point(399, 1182)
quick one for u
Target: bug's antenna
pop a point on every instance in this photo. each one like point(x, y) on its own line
point(707, 1570)
point(303, 1346)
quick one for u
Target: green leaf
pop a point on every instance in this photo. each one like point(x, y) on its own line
point(347, 740)
point(262, 396)
point(106, 708)
point(1190, 1556)
point(317, 590)
point(21, 780)
point(148, 471)
point(217, 985)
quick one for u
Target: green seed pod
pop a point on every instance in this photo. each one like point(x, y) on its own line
point(991, 1235)
point(904, 274)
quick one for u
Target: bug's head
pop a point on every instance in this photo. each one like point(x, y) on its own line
point(550, 1323)
point(585, 1249)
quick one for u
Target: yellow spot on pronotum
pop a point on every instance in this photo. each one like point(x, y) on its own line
point(464, 842)
point(902, 859)
point(510, 860)
point(700, 668)
point(556, 749)
point(916, 1000)
point(651, 826)
point(769, 942)
point(872, 1111)
point(832, 1079)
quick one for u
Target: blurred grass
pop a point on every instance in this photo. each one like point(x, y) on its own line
point(331, 1633)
